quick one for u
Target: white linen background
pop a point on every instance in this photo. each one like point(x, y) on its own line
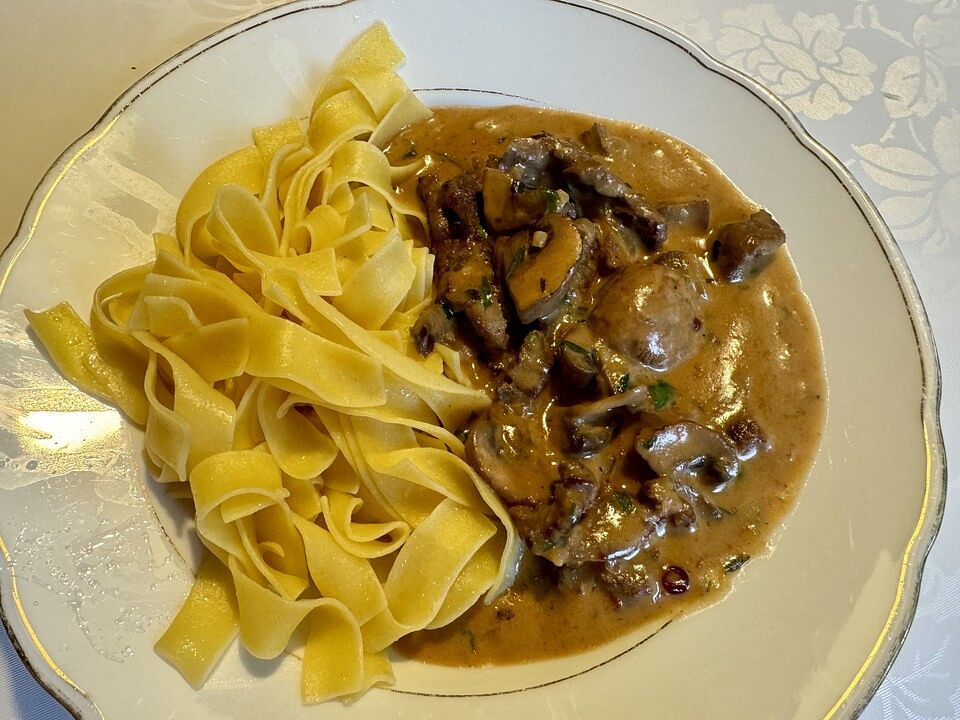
point(876, 81)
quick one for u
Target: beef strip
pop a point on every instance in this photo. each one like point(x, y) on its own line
point(464, 259)
point(742, 249)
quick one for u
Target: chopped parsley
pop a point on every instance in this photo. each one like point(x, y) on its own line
point(579, 349)
point(471, 638)
point(517, 260)
point(661, 394)
point(486, 292)
point(553, 200)
point(622, 384)
point(624, 502)
point(446, 309)
point(735, 562)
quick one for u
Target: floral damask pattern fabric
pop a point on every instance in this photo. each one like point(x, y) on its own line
point(878, 82)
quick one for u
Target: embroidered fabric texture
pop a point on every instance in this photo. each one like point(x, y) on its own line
point(878, 84)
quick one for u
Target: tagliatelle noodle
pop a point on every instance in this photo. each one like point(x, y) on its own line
point(266, 353)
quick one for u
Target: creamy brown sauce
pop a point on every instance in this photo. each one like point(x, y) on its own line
point(761, 357)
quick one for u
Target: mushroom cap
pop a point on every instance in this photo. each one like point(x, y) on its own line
point(649, 313)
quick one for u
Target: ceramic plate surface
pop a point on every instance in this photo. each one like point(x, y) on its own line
point(89, 576)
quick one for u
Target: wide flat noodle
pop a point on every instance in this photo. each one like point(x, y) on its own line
point(266, 352)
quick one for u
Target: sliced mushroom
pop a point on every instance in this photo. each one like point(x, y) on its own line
point(590, 425)
point(692, 215)
point(598, 139)
point(614, 527)
point(509, 462)
point(650, 314)
point(689, 448)
point(576, 362)
point(431, 327)
point(539, 281)
point(742, 249)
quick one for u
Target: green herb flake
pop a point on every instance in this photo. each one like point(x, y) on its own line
point(624, 502)
point(411, 153)
point(446, 309)
point(553, 200)
point(517, 260)
point(735, 562)
point(486, 292)
point(548, 545)
point(649, 442)
point(471, 638)
point(623, 383)
point(579, 349)
point(661, 394)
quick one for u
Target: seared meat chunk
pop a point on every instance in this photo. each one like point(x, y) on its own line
point(615, 526)
point(689, 448)
point(742, 249)
point(650, 314)
point(529, 373)
point(464, 259)
point(431, 327)
point(670, 502)
point(545, 525)
point(626, 579)
point(544, 159)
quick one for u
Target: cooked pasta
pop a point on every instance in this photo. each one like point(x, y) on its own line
point(266, 353)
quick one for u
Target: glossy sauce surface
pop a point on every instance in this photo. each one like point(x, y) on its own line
point(761, 357)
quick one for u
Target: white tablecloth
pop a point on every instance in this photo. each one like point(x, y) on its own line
point(876, 81)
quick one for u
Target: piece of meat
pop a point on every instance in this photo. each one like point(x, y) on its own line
point(650, 314)
point(431, 327)
point(526, 161)
point(626, 579)
point(530, 372)
point(615, 526)
point(546, 524)
point(670, 502)
point(544, 159)
point(742, 249)
point(465, 277)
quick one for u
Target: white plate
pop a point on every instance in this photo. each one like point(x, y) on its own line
point(90, 578)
